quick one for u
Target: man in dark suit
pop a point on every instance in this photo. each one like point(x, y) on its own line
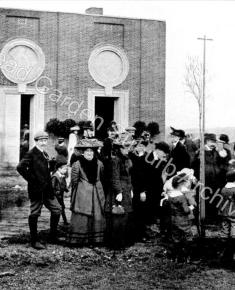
point(180, 157)
point(34, 167)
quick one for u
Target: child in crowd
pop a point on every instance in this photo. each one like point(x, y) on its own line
point(180, 221)
point(188, 191)
point(227, 212)
point(59, 184)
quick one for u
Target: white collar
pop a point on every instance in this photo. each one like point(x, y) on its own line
point(39, 148)
point(155, 156)
point(60, 175)
point(207, 148)
point(230, 185)
point(175, 143)
point(175, 193)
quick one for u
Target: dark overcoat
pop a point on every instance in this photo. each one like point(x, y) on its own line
point(87, 198)
point(227, 207)
point(191, 149)
point(138, 174)
point(120, 182)
point(61, 151)
point(180, 157)
point(154, 186)
point(214, 169)
point(34, 167)
point(180, 220)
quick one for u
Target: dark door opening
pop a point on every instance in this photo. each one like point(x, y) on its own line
point(104, 112)
point(24, 124)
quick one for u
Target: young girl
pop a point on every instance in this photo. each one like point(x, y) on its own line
point(180, 221)
point(188, 191)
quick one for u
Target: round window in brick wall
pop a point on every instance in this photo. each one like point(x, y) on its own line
point(108, 65)
point(22, 61)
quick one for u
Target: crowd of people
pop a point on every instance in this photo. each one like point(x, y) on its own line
point(124, 185)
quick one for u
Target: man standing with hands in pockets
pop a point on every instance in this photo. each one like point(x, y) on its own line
point(34, 167)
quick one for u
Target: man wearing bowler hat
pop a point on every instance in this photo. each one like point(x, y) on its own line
point(179, 155)
point(34, 167)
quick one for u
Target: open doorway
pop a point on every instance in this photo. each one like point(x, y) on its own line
point(24, 124)
point(104, 108)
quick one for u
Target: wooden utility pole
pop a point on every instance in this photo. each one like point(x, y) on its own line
point(202, 212)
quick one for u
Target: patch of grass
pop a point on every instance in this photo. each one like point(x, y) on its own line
point(8, 181)
point(13, 191)
point(142, 266)
point(9, 197)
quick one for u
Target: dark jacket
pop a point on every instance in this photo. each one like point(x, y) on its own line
point(120, 182)
point(214, 169)
point(138, 173)
point(191, 149)
point(87, 195)
point(180, 157)
point(154, 186)
point(227, 207)
point(34, 167)
point(180, 217)
point(61, 150)
point(106, 151)
point(153, 177)
point(59, 185)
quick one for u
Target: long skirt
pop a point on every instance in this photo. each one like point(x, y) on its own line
point(86, 230)
point(119, 232)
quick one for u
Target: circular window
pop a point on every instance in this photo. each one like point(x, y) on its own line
point(108, 65)
point(22, 61)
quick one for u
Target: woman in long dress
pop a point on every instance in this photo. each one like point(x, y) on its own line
point(87, 197)
point(119, 226)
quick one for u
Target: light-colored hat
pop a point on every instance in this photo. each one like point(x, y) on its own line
point(130, 129)
point(187, 171)
point(40, 135)
point(75, 128)
point(89, 143)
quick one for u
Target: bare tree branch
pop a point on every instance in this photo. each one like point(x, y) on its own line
point(193, 82)
point(193, 78)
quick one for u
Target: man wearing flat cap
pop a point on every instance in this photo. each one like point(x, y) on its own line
point(179, 155)
point(34, 167)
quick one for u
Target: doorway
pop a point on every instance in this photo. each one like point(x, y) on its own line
point(24, 124)
point(104, 112)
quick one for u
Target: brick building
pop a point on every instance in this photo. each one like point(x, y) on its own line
point(65, 65)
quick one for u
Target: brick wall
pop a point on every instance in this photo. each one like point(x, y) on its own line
point(67, 41)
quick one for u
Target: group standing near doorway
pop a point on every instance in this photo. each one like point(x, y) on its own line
point(124, 185)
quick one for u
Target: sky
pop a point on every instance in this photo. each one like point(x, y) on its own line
point(185, 22)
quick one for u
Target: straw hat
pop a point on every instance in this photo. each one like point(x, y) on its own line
point(89, 143)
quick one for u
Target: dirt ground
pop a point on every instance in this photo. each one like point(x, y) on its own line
point(142, 266)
